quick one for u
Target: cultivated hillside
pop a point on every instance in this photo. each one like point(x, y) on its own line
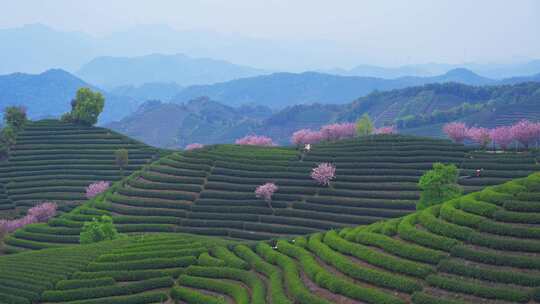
point(54, 161)
point(480, 248)
point(211, 191)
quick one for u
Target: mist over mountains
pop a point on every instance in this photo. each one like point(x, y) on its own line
point(35, 48)
point(180, 69)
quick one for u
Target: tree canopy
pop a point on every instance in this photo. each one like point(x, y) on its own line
point(364, 126)
point(86, 107)
point(439, 185)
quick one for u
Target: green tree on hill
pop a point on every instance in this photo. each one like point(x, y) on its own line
point(98, 230)
point(364, 126)
point(439, 185)
point(15, 117)
point(86, 107)
point(121, 159)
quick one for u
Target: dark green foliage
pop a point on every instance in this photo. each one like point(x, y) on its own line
point(15, 117)
point(86, 107)
point(98, 230)
point(121, 159)
point(438, 185)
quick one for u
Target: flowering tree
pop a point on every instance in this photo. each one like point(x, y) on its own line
point(40, 213)
point(338, 131)
point(255, 140)
point(481, 136)
point(194, 146)
point(457, 131)
point(526, 132)
point(502, 136)
point(306, 136)
point(324, 173)
point(386, 130)
point(43, 212)
point(96, 188)
point(266, 191)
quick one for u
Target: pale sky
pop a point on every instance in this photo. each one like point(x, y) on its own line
point(387, 32)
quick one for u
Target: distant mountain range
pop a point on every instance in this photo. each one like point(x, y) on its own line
point(36, 48)
point(280, 90)
point(49, 94)
point(418, 110)
point(180, 69)
point(149, 91)
point(494, 71)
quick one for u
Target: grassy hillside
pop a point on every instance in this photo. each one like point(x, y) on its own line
point(481, 248)
point(55, 161)
point(211, 191)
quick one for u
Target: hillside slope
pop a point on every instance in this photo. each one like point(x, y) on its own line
point(55, 161)
point(202, 120)
point(481, 248)
point(211, 191)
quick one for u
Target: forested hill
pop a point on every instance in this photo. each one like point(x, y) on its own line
point(416, 110)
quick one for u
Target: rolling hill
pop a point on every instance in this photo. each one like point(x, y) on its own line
point(211, 191)
point(202, 120)
point(55, 161)
point(480, 248)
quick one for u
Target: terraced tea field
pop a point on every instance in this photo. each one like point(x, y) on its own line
point(481, 248)
point(55, 161)
point(211, 191)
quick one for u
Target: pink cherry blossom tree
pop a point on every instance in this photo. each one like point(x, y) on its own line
point(37, 214)
point(502, 136)
point(43, 212)
point(96, 188)
point(266, 191)
point(481, 136)
point(526, 132)
point(324, 173)
point(255, 140)
point(194, 146)
point(338, 131)
point(306, 136)
point(457, 131)
point(386, 130)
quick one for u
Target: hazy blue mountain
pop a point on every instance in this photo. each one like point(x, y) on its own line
point(120, 71)
point(513, 80)
point(155, 90)
point(286, 89)
point(493, 71)
point(381, 72)
point(49, 94)
point(36, 48)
